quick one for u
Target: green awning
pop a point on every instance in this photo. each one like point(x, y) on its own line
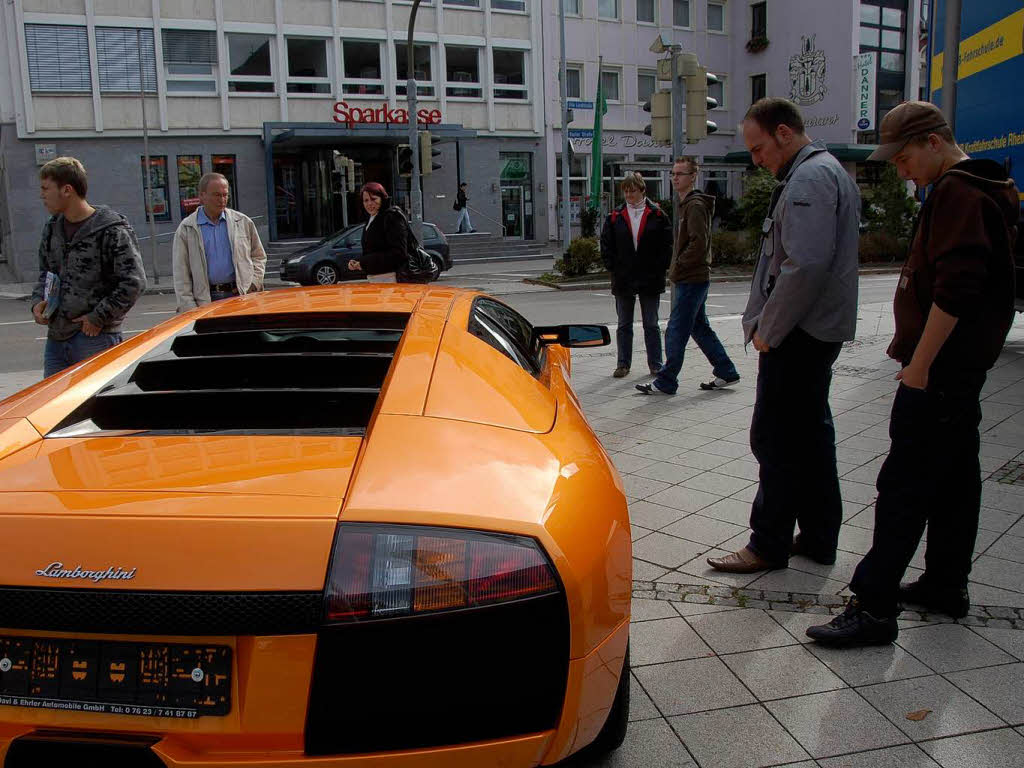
point(846, 153)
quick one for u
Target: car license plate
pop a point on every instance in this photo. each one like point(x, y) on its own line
point(149, 679)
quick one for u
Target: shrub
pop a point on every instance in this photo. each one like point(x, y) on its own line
point(583, 256)
point(757, 196)
point(732, 248)
point(889, 208)
point(588, 221)
point(881, 246)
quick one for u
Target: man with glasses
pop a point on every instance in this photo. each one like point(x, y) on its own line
point(690, 274)
point(802, 307)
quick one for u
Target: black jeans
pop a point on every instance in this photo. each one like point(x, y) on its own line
point(624, 308)
point(932, 476)
point(794, 440)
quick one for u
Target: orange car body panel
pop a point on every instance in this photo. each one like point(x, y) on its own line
point(494, 449)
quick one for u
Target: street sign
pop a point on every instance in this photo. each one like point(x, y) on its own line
point(579, 104)
point(581, 133)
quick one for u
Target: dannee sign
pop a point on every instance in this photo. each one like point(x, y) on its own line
point(349, 115)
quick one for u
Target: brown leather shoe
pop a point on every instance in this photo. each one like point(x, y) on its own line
point(744, 561)
point(621, 372)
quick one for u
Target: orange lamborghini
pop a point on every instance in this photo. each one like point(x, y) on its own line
point(355, 526)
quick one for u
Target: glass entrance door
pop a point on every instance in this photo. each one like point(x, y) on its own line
point(512, 211)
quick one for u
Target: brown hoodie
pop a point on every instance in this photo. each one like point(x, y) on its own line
point(691, 247)
point(961, 259)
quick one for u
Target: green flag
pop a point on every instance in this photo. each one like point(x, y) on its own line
point(596, 175)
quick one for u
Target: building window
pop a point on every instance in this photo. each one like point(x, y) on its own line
point(681, 13)
point(225, 166)
point(157, 200)
point(758, 87)
point(422, 72)
point(653, 178)
point(190, 61)
point(572, 7)
point(574, 82)
point(307, 65)
point(883, 31)
point(463, 72)
point(610, 85)
point(117, 56)
point(510, 74)
point(464, 3)
point(607, 9)
point(190, 170)
point(361, 75)
point(892, 62)
point(759, 20)
point(645, 84)
point(58, 58)
point(645, 11)
point(509, 5)
point(717, 92)
point(249, 59)
point(716, 16)
point(716, 183)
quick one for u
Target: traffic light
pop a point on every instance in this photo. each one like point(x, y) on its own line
point(404, 160)
point(428, 153)
point(350, 172)
point(697, 100)
point(660, 107)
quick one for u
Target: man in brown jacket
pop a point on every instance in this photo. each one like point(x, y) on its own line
point(953, 308)
point(690, 275)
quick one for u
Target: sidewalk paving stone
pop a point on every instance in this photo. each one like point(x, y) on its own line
point(661, 640)
point(952, 711)
point(907, 756)
point(738, 631)
point(1001, 689)
point(695, 685)
point(868, 665)
point(993, 749)
point(755, 738)
point(950, 648)
point(1009, 640)
point(835, 722)
point(777, 673)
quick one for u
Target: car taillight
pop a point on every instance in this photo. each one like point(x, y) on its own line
point(384, 571)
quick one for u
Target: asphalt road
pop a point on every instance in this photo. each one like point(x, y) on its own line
point(21, 340)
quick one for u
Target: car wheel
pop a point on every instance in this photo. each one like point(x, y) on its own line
point(613, 733)
point(325, 274)
point(438, 267)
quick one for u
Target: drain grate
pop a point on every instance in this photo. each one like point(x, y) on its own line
point(1011, 473)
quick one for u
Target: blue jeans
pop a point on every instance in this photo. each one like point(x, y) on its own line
point(463, 217)
point(59, 355)
point(624, 307)
point(689, 319)
point(794, 441)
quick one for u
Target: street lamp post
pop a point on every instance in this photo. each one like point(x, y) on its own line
point(416, 203)
point(566, 197)
point(145, 155)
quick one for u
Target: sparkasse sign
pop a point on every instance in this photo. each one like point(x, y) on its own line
point(864, 70)
point(349, 115)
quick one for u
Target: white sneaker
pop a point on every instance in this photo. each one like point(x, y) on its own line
point(718, 383)
point(650, 389)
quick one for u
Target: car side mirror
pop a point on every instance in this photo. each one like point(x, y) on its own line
point(572, 335)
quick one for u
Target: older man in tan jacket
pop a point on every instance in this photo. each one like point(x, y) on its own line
point(217, 252)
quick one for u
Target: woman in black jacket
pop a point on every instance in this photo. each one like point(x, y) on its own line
point(636, 247)
point(385, 236)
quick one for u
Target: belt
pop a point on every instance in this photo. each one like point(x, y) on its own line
point(223, 288)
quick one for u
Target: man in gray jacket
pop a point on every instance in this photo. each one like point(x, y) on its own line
point(802, 307)
point(90, 269)
point(217, 252)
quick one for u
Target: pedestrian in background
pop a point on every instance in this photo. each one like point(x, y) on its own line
point(953, 308)
point(690, 276)
point(802, 307)
point(462, 223)
point(90, 269)
point(390, 252)
point(636, 245)
point(217, 253)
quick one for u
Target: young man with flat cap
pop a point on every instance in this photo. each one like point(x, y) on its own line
point(953, 308)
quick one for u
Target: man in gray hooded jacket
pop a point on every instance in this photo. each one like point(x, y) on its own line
point(90, 269)
point(802, 307)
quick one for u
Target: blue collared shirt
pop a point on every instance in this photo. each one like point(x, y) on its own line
point(219, 266)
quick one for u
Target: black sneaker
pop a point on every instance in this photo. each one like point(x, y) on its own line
point(822, 558)
point(949, 600)
point(855, 626)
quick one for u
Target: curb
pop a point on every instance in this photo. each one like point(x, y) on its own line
point(606, 284)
